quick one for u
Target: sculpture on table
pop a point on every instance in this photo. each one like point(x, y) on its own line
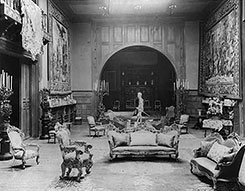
point(140, 108)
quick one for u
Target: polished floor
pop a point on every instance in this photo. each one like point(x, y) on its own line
point(40, 177)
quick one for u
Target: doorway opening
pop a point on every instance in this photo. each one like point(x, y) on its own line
point(139, 69)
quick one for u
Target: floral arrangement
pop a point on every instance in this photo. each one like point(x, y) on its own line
point(215, 106)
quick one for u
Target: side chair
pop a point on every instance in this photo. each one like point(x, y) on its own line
point(20, 150)
point(182, 123)
point(95, 126)
point(170, 114)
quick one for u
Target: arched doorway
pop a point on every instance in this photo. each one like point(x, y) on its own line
point(139, 68)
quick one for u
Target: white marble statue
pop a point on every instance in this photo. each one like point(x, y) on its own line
point(140, 107)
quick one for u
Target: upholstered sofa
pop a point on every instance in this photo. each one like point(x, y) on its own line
point(218, 159)
point(143, 141)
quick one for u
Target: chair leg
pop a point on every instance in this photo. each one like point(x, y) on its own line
point(13, 161)
point(89, 132)
point(37, 160)
point(23, 163)
point(63, 169)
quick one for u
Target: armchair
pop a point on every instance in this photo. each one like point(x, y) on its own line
point(158, 105)
point(22, 151)
point(75, 154)
point(116, 105)
point(182, 123)
point(95, 126)
point(170, 114)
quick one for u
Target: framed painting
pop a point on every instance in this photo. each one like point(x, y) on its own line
point(220, 57)
point(59, 57)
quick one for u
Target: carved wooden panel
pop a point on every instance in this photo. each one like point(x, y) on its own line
point(84, 103)
point(157, 33)
point(25, 99)
point(144, 33)
point(116, 46)
point(171, 50)
point(118, 34)
point(170, 34)
point(163, 37)
point(105, 50)
point(131, 33)
point(158, 46)
point(105, 34)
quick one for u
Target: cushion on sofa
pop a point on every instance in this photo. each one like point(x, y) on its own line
point(205, 147)
point(166, 139)
point(232, 143)
point(217, 152)
point(120, 139)
point(214, 136)
point(143, 138)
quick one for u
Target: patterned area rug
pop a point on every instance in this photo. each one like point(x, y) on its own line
point(138, 174)
point(135, 174)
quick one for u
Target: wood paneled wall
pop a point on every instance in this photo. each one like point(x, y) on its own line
point(84, 104)
point(108, 38)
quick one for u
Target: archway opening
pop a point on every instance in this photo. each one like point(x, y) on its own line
point(139, 69)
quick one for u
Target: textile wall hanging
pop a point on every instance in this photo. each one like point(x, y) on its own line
point(59, 54)
point(220, 53)
point(32, 31)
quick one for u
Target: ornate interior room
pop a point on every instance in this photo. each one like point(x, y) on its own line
point(135, 91)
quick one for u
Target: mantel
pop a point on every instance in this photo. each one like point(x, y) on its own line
point(62, 105)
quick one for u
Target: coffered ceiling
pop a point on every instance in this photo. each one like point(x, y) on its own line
point(83, 10)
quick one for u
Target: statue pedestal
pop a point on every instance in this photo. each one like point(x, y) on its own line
point(5, 143)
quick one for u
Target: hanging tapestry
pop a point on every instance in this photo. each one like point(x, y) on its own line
point(220, 54)
point(32, 32)
point(59, 59)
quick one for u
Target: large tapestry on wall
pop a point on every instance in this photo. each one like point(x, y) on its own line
point(59, 61)
point(220, 64)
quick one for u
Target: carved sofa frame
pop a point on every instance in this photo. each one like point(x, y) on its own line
point(226, 172)
point(144, 150)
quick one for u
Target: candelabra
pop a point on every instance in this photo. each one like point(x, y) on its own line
point(5, 111)
point(181, 88)
point(46, 118)
point(103, 91)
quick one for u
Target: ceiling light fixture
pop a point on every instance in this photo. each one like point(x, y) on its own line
point(105, 8)
point(172, 7)
point(105, 11)
point(138, 7)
